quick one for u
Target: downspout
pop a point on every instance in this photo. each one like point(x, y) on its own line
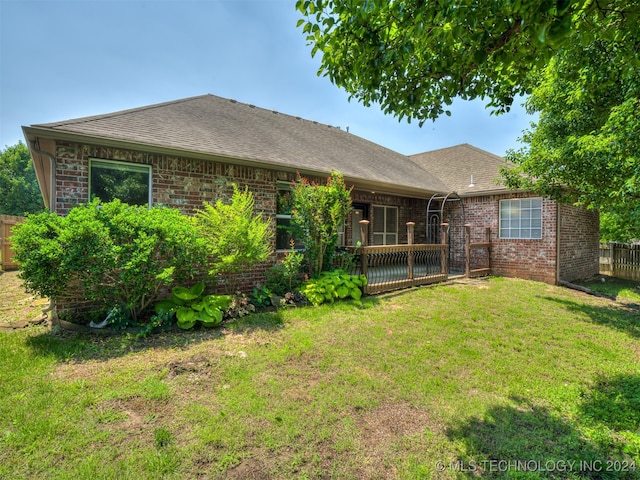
point(52, 165)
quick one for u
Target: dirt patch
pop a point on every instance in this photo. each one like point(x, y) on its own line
point(18, 309)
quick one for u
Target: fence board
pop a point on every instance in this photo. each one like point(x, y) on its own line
point(620, 260)
point(6, 223)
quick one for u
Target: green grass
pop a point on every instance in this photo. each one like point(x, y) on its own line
point(450, 381)
point(621, 290)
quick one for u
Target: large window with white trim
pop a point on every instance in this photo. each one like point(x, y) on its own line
point(128, 182)
point(385, 225)
point(521, 218)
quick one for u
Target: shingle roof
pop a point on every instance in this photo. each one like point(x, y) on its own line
point(220, 127)
point(455, 165)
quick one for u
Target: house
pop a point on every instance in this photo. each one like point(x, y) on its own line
point(184, 152)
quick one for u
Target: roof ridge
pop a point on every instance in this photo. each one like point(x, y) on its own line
point(295, 117)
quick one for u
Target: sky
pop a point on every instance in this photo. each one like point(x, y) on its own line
point(63, 59)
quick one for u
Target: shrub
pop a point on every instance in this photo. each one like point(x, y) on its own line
point(330, 286)
point(285, 276)
point(112, 253)
point(237, 238)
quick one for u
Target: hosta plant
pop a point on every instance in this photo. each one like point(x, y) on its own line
point(190, 307)
point(330, 286)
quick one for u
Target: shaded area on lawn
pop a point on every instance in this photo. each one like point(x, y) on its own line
point(620, 317)
point(622, 290)
point(90, 346)
point(527, 441)
point(614, 403)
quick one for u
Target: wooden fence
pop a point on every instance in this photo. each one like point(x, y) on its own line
point(620, 260)
point(6, 223)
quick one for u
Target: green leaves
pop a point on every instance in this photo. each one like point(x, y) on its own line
point(393, 52)
point(584, 147)
point(237, 237)
point(330, 286)
point(190, 307)
point(113, 254)
point(19, 191)
point(319, 212)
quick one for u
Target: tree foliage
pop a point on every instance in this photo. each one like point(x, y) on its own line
point(319, 213)
point(585, 147)
point(577, 59)
point(112, 254)
point(413, 57)
point(237, 237)
point(19, 191)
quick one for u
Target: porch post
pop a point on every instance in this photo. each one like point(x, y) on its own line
point(410, 227)
point(364, 236)
point(467, 250)
point(443, 251)
point(364, 232)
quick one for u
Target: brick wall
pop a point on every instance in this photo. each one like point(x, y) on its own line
point(529, 259)
point(579, 246)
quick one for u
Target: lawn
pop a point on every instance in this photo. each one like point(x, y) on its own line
point(495, 378)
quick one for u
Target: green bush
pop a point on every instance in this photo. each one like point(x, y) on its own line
point(190, 306)
point(330, 286)
point(237, 238)
point(285, 276)
point(109, 253)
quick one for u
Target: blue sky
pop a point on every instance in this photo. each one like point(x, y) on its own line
point(64, 59)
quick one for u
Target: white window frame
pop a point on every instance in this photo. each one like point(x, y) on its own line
point(123, 166)
point(520, 219)
point(380, 227)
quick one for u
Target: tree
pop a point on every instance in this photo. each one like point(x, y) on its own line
point(19, 191)
point(585, 147)
point(413, 57)
point(319, 212)
point(576, 58)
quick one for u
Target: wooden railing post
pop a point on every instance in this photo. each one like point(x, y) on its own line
point(364, 236)
point(443, 256)
point(364, 232)
point(410, 228)
point(488, 231)
point(467, 250)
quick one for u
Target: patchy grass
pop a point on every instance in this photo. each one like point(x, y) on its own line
point(15, 304)
point(493, 379)
point(622, 290)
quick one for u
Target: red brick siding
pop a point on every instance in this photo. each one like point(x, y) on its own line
point(529, 259)
point(579, 243)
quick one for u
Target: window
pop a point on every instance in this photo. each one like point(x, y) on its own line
point(284, 233)
point(128, 182)
point(385, 225)
point(521, 218)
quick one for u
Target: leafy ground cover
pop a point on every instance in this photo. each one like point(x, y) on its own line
point(495, 378)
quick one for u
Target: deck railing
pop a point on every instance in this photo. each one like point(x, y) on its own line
point(390, 267)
